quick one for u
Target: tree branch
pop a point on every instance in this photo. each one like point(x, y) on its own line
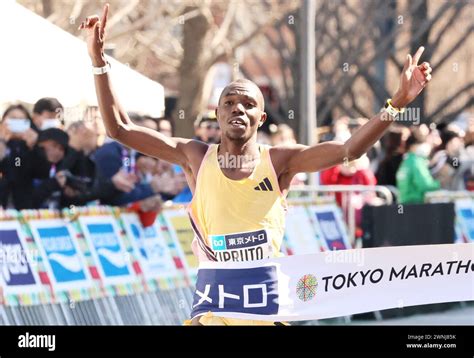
point(438, 111)
point(225, 26)
point(454, 47)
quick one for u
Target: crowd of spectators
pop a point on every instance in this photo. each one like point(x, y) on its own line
point(45, 163)
point(413, 159)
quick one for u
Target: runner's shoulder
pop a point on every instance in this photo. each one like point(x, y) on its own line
point(194, 150)
point(282, 153)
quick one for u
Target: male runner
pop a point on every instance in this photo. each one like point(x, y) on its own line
point(239, 187)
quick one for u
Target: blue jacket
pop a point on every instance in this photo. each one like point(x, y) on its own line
point(109, 159)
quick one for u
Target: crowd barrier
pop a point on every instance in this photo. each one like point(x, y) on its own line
point(312, 193)
point(99, 266)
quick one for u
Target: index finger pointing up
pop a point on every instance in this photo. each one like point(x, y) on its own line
point(417, 55)
point(105, 13)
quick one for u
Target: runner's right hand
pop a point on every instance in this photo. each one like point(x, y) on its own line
point(96, 36)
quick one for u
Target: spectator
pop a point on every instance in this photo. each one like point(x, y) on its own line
point(47, 113)
point(207, 129)
point(169, 179)
point(446, 162)
point(83, 136)
point(112, 159)
point(18, 137)
point(93, 116)
point(357, 172)
point(284, 135)
point(413, 176)
point(394, 144)
point(165, 127)
point(83, 185)
point(48, 169)
point(467, 160)
point(144, 121)
point(149, 122)
point(341, 129)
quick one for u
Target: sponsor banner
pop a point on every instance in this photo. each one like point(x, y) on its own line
point(465, 219)
point(242, 246)
point(150, 248)
point(181, 232)
point(18, 271)
point(336, 283)
point(300, 236)
point(113, 261)
point(330, 227)
point(64, 262)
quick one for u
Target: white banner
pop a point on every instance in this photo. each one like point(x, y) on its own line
point(336, 283)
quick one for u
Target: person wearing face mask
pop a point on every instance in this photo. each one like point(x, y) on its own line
point(47, 113)
point(18, 136)
point(445, 163)
point(413, 177)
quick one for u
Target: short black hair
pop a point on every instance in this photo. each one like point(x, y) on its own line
point(49, 104)
point(413, 140)
point(54, 134)
point(135, 117)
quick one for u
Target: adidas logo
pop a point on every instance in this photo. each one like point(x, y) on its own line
point(264, 185)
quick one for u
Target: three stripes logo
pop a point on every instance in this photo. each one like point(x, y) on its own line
point(264, 185)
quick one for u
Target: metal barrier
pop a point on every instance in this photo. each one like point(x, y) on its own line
point(347, 192)
point(168, 307)
point(443, 196)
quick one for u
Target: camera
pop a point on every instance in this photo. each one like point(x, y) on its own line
point(78, 183)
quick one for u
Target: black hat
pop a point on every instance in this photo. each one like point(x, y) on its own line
point(55, 134)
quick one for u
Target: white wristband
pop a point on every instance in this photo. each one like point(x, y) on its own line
point(101, 70)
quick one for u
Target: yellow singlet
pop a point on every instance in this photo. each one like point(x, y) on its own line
point(237, 220)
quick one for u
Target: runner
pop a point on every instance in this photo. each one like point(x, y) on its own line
point(239, 187)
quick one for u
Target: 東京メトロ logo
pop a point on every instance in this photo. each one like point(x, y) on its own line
point(306, 287)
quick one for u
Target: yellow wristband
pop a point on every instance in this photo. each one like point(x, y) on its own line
point(389, 104)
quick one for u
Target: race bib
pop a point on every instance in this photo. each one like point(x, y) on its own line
point(243, 246)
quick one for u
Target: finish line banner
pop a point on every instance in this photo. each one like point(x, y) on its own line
point(336, 283)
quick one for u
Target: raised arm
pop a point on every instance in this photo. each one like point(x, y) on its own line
point(301, 158)
point(117, 123)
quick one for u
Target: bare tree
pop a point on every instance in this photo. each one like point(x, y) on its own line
point(360, 46)
point(181, 38)
point(207, 40)
point(359, 53)
point(426, 27)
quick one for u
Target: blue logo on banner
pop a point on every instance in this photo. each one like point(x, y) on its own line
point(14, 266)
point(149, 246)
point(61, 253)
point(467, 216)
point(252, 290)
point(331, 232)
point(106, 244)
